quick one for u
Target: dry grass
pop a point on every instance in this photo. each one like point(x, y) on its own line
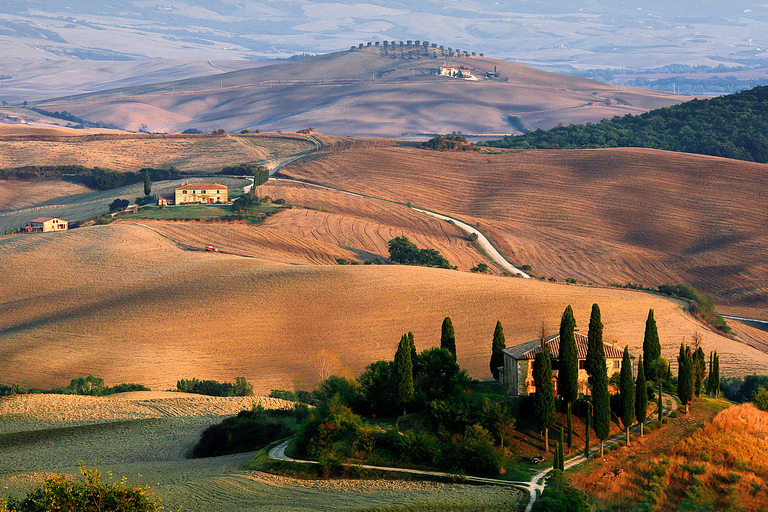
point(21, 194)
point(585, 213)
point(133, 152)
point(694, 463)
point(159, 313)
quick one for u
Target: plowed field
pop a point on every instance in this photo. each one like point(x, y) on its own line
point(602, 216)
point(158, 313)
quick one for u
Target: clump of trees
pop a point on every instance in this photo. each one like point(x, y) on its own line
point(241, 387)
point(724, 126)
point(703, 305)
point(403, 251)
point(59, 493)
point(90, 385)
point(249, 431)
point(449, 142)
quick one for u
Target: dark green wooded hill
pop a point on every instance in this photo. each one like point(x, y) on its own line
point(732, 126)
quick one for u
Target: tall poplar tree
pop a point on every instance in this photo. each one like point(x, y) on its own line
point(641, 396)
point(147, 183)
point(685, 376)
point(627, 392)
point(497, 350)
point(447, 336)
point(568, 362)
point(651, 347)
point(595, 349)
point(544, 399)
point(404, 373)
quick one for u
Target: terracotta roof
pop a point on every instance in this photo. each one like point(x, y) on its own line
point(43, 219)
point(530, 349)
point(203, 186)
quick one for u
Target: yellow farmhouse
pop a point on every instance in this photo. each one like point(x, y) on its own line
point(517, 373)
point(202, 193)
point(47, 224)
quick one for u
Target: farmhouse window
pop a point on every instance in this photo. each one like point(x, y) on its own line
point(582, 364)
point(616, 364)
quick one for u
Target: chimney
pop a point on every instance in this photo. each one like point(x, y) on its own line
point(614, 343)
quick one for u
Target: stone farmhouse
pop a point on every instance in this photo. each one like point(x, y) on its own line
point(516, 375)
point(201, 193)
point(47, 225)
point(454, 71)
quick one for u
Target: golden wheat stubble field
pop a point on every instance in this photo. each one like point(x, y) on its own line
point(602, 216)
point(126, 303)
point(146, 437)
point(131, 152)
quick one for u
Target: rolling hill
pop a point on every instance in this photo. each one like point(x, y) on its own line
point(602, 216)
point(159, 313)
point(367, 91)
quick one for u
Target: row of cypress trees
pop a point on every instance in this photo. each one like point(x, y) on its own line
point(633, 393)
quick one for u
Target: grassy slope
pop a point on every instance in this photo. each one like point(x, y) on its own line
point(708, 460)
point(336, 93)
point(596, 215)
point(158, 313)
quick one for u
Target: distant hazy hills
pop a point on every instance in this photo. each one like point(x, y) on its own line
point(371, 91)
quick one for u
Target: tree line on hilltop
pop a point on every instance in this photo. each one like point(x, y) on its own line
point(733, 126)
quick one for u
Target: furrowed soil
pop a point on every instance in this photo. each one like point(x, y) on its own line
point(146, 437)
point(601, 216)
point(159, 313)
point(131, 152)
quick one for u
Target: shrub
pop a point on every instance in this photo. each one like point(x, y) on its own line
point(213, 388)
point(118, 204)
point(559, 496)
point(59, 493)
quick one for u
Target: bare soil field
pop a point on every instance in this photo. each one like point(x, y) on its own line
point(159, 313)
point(601, 216)
point(364, 93)
point(146, 436)
point(132, 152)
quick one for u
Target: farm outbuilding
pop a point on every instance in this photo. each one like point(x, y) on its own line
point(47, 225)
point(516, 375)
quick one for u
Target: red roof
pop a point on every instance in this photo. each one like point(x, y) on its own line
point(530, 349)
point(203, 186)
point(43, 219)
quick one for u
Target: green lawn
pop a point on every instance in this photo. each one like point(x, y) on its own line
point(196, 212)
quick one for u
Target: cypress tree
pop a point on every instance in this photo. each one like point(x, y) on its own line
point(586, 431)
point(685, 376)
point(711, 374)
point(651, 347)
point(555, 457)
point(627, 392)
point(404, 373)
point(561, 450)
point(414, 355)
point(447, 336)
point(659, 404)
point(568, 373)
point(544, 399)
point(595, 348)
point(602, 406)
point(147, 183)
point(716, 384)
point(497, 350)
point(699, 371)
point(641, 396)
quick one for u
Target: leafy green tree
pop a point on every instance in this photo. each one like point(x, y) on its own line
point(60, 493)
point(402, 250)
point(243, 387)
point(499, 419)
point(438, 376)
point(147, 183)
point(559, 496)
point(651, 347)
point(404, 374)
point(448, 337)
point(761, 399)
point(641, 395)
point(685, 376)
point(544, 399)
point(568, 373)
point(627, 392)
point(699, 371)
point(378, 387)
point(497, 350)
